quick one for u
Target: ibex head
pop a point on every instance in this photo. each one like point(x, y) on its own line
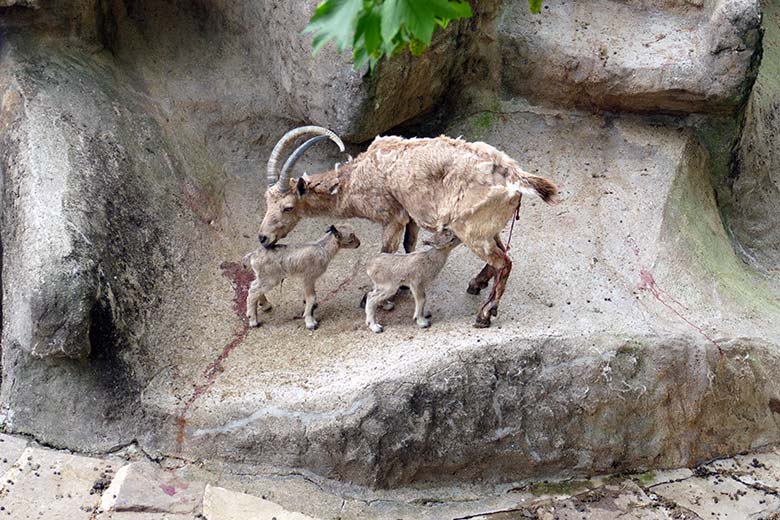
point(283, 196)
point(444, 239)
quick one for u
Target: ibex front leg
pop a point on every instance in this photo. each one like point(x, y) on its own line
point(311, 301)
point(255, 297)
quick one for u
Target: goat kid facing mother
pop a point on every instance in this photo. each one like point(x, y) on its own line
point(472, 189)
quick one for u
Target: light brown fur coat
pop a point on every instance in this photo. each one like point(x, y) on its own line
point(472, 189)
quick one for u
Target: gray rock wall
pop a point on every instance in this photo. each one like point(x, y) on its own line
point(754, 215)
point(134, 135)
point(675, 57)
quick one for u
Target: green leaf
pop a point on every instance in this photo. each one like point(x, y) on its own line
point(368, 31)
point(334, 20)
point(535, 6)
point(420, 18)
point(378, 28)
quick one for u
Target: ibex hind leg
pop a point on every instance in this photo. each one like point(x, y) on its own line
point(391, 241)
point(498, 260)
point(482, 280)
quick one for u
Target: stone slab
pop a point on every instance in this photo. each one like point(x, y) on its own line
point(610, 502)
point(11, 449)
point(53, 485)
point(223, 504)
point(653, 478)
point(145, 487)
point(720, 497)
point(145, 516)
point(762, 469)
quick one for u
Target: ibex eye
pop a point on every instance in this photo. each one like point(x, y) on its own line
point(288, 209)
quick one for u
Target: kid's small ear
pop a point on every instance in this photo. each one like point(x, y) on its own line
point(332, 229)
point(300, 187)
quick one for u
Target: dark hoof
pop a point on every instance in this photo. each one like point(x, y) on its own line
point(482, 323)
point(362, 303)
point(494, 311)
point(473, 289)
point(428, 314)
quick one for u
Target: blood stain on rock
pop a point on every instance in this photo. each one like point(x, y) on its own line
point(241, 279)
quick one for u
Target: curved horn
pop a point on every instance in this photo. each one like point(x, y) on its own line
point(289, 164)
point(273, 159)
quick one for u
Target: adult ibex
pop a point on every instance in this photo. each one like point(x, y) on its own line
point(472, 189)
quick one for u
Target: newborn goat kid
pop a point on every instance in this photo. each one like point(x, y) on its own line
point(306, 261)
point(416, 270)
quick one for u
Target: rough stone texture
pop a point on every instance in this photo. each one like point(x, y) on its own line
point(223, 504)
point(622, 500)
point(613, 55)
point(754, 212)
point(11, 449)
point(720, 497)
point(92, 229)
point(327, 91)
point(23, 3)
point(758, 470)
point(143, 487)
point(52, 485)
point(727, 488)
point(146, 516)
point(587, 372)
point(262, 72)
point(631, 337)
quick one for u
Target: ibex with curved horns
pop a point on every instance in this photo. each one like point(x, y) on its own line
point(472, 189)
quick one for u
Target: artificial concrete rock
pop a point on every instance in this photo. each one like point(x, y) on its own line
point(631, 336)
point(53, 485)
point(624, 333)
point(11, 449)
point(223, 504)
point(720, 497)
point(752, 204)
point(143, 487)
point(611, 502)
point(22, 3)
point(145, 516)
point(355, 104)
point(676, 57)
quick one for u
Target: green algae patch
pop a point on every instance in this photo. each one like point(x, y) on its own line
point(560, 487)
point(645, 479)
point(703, 249)
point(483, 123)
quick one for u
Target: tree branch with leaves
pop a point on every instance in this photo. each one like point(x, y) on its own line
point(377, 28)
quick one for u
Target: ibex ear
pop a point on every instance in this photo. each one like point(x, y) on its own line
point(332, 229)
point(301, 187)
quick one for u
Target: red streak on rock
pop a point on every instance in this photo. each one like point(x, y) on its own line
point(241, 280)
point(168, 490)
point(647, 283)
